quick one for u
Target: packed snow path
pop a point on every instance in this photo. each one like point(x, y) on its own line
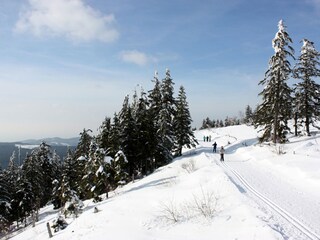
point(292, 207)
point(307, 233)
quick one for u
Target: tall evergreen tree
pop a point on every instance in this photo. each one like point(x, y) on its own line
point(81, 155)
point(144, 127)
point(128, 136)
point(95, 178)
point(275, 110)
point(32, 185)
point(115, 132)
point(12, 175)
point(307, 97)
point(51, 170)
point(155, 106)
point(119, 167)
point(166, 115)
point(182, 123)
point(103, 138)
point(70, 175)
point(5, 203)
point(57, 170)
point(25, 199)
point(69, 179)
point(83, 146)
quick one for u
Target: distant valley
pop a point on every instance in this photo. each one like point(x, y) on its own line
point(25, 147)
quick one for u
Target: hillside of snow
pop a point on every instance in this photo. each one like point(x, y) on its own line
point(260, 192)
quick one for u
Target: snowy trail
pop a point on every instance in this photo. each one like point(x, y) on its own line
point(291, 196)
point(272, 183)
point(286, 215)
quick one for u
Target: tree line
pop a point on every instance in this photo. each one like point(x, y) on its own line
point(147, 133)
point(247, 118)
point(280, 102)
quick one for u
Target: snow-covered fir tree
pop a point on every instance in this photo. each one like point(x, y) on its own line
point(81, 155)
point(51, 169)
point(275, 110)
point(56, 172)
point(166, 115)
point(119, 166)
point(103, 138)
point(95, 178)
point(25, 201)
point(70, 176)
point(33, 177)
point(83, 146)
point(115, 132)
point(307, 91)
point(31, 187)
point(66, 192)
point(144, 127)
point(5, 203)
point(128, 136)
point(155, 101)
point(182, 124)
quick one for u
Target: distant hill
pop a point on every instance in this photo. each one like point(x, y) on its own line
point(59, 144)
point(56, 141)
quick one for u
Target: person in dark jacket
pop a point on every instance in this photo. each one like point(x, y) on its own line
point(214, 147)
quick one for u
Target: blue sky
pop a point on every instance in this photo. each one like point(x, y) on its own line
point(66, 64)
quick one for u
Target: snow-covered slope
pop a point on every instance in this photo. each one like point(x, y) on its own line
point(198, 197)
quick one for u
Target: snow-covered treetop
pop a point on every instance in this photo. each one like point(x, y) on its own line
point(281, 26)
point(156, 74)
point(276, 44)
point(307, 46)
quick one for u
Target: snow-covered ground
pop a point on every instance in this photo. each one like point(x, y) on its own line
point(255, 194)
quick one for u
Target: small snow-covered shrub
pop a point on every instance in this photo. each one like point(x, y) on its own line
point(279, 149)
point(205, 203)
point(190, 166)
point(170, 211)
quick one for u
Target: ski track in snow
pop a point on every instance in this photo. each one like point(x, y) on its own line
point(307, 232)
point(272, 199)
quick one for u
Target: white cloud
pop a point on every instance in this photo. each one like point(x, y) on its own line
point(68, 18)
point(136, 57)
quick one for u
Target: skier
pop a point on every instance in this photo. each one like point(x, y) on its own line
point(214, 147)
point(222, 154)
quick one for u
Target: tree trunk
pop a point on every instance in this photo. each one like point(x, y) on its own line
point(296, 124)
point(276, 111)
point(307, 116)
